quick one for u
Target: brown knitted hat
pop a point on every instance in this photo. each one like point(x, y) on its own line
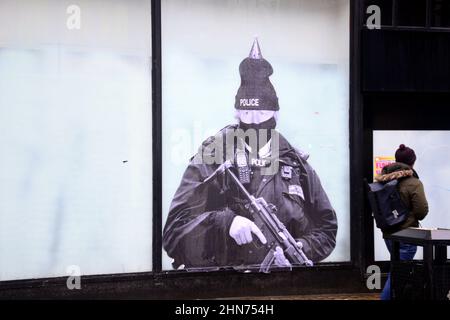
point(405, 155)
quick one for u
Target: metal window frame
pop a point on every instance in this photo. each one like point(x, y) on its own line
point(394, 20)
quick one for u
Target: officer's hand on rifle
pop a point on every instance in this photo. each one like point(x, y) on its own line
point(280, 258)
point(241, 230)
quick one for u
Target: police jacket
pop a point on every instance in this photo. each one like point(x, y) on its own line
point(196, 233)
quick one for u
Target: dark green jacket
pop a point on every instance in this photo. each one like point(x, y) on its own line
point(411, 192)
point(196, 233)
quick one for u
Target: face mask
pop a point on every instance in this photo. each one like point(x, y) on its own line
point(267, 125)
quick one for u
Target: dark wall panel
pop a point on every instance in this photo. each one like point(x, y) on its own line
point(405, 61)
point(411, 111)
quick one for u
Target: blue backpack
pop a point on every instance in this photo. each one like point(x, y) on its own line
point(388, 209)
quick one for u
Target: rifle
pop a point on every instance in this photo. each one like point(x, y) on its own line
point(265, 218)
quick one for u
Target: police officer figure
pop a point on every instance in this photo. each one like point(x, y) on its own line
point(208, 225)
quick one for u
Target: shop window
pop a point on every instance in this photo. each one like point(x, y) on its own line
point(203, 45)
point(75, 123)
point(433, 173)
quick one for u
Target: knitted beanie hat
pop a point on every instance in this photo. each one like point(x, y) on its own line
point(405, 155)
point(256, 91)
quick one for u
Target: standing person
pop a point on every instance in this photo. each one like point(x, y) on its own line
point(208, 227)
point(413, 196)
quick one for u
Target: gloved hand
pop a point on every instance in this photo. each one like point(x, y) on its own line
point(241, 230)
point(280, 258)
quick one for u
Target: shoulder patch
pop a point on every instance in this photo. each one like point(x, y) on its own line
point(302, 154)
point(297, 190)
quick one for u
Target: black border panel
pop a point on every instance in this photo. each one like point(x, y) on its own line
point(405, 61)
point(327, 280)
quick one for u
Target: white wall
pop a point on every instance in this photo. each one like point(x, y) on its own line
point(74, 105)
point(432, 149)
point(306, 42)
